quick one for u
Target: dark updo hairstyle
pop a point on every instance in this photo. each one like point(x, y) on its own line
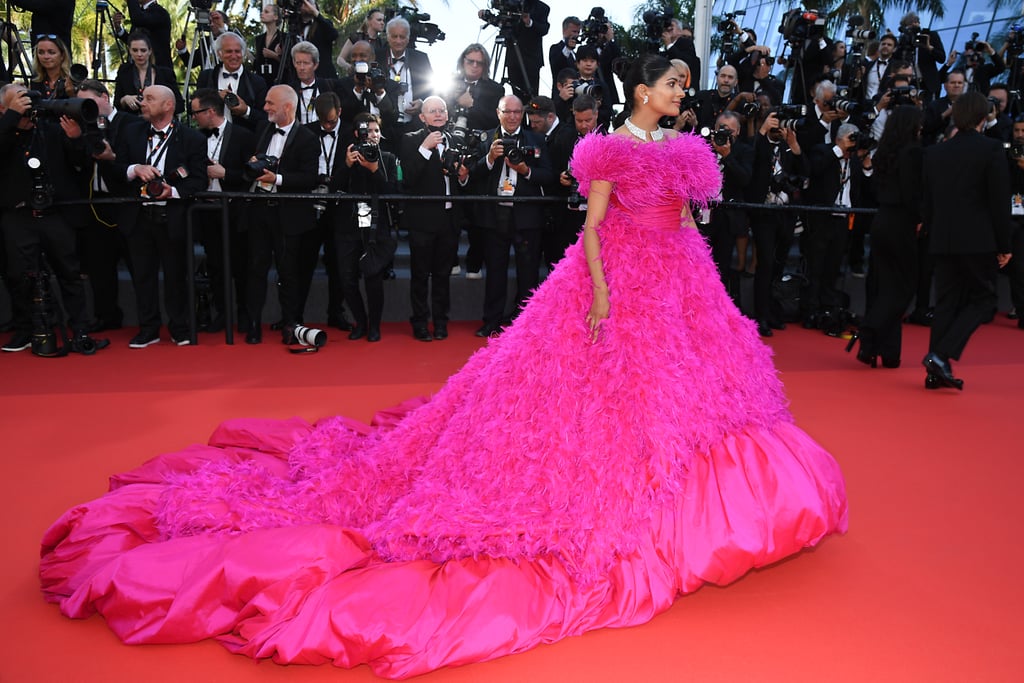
point(902, 130)
point(645, 70)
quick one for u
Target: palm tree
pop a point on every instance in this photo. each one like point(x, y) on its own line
point(874, 11)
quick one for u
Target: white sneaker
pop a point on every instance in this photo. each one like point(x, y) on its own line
point(474, 275)
point(456, 270)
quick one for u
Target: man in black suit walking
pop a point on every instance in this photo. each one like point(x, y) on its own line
point(228, 148)
point(164, 161)
point(506, 170)
point(276, 227)
point(247, 90)
point(432, 231)
point(966, 205)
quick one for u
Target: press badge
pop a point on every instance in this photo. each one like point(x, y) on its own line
point(1017, 204)
point(363, 214)
point(506, 188)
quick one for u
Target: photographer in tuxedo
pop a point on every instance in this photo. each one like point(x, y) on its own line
point(432, 230)
point(164, 162)
point(319, 30)
point(38, 158)
point(368, 90)
point(472, 91)
point(100, 244)
point(512, 163)
point(286, 160)
point(409, 69)
point(352, 222)
point(562, 55)
point(306, 83)
point(529, 35)
point(243, 91)
point(970, 234)
point(153, 19)
point(228, 148)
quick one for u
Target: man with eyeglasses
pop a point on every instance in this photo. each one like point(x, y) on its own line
point(473, 92)
point(228, 148)
point(513, 162)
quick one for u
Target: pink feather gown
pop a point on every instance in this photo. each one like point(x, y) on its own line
point(551, 487)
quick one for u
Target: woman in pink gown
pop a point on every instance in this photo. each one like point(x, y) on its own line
point(556, 484)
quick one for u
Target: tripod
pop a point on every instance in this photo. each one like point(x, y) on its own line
point(18, 63)
point(202, 40)
point(505, 38)
point(99, 47)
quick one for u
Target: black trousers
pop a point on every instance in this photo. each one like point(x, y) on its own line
point(965, 297)
point(825, 243)
point(497, 242)
point(267, 242)
point(1015, 268)
point(310, 246)
point(102, 246)
point(153, 244)
point(892, 279)
point(430, 254)
point(210, 234)
point(26, 237)
point(348, 248)
point(925, 272)
point(466, 219)
point(773, 235)
point(562, 232)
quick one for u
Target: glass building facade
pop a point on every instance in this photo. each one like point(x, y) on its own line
point(962, 18)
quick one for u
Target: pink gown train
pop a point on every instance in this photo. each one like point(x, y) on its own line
point(551, 487)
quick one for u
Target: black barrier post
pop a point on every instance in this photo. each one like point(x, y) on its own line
point(190, 270)
point(229, 304)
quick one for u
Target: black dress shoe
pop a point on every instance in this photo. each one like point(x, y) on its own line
point(373, 336)
point(764, 329)
point(921, 316)
point(288, 336)
point(277, 326)
point(488, 330)
point(941, 371)
point(358, 332)
point(422, 334)
point(254, 336)
point(440, 331)
point(776, 324)
point(341, 323)
point(932, 382)
point(890, 362)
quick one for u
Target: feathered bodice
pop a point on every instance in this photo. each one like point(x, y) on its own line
point(651, 174)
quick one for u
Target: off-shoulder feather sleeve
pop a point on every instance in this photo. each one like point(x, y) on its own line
point(681, 168)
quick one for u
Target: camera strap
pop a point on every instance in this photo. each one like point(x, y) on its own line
point(155, 153)
point(328, 156)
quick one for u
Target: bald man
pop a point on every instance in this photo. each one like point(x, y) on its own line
point(285, 231)
point(166, 162)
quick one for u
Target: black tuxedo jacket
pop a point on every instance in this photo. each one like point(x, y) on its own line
point(825, 177)
point(525, 216)
point(484, 112)
point(419, 69)
point(967, 209)
point(424, 177)
point(251, 88)
point(560, 147)
point(686, 51)
point(54, 17)
point(298, 167)
point(763, 168)
point(338, 172)
point(738, 169)
point(558, 61)
point(320, 86)
point(236, 148)
point(124, 84)
point(322, 34)
point(184, 166)
point(530, 40)
point(155, 21)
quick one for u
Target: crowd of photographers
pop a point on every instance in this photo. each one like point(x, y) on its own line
point(283, 115)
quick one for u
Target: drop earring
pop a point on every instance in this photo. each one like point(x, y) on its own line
point(646, 98)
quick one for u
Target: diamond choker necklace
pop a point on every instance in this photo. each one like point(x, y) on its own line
point(656, 134)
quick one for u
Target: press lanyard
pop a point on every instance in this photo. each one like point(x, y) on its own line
point(155, 154)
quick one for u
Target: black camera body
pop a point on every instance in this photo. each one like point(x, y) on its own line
point(580, 87)
point(369, 150)
point(43, 193)
point(255, 168)
point(576, 200)
point(721, 136)
point(80, 109)
point(1014, 150)
point(369, 75)
point(152, 188)
point(729, 37)
point(749, 109)
point(863, 141)
point(790, 183)
point(459, 151)
point(689, 100)
point(902, 94)
point(231, 100)
point(594, 27)
point(517, 153)
point(798, 25)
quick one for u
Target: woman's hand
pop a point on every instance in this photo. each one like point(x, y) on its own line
point(598, 311)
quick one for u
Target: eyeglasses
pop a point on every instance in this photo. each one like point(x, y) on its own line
point(474, 62)
point(197, 112)
point(435, 110)
point(514, 112)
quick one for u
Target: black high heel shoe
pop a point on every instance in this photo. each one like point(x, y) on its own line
point(862, 355)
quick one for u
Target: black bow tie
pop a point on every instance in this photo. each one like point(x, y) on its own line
point(215, 132)
point(309, 87)
point(159, 133)
point(231, 75)
point(396, 60)
point(326, 133)
point(281, 131)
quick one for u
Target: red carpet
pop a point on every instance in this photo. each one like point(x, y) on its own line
point(925, 587)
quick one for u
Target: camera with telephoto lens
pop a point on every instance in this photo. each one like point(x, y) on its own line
point(152, 188)
point(902, 94)
point(517, 153)
point(255, 168)
point(458, 150)
point(580, 87)
point(80, 109)
point(798, 25)
point(912, 37)
point(323, 186)
point(857, 34)
point(689, 100)
point(595, 27)
point(791, 116)
point(721, 136)
point(839, 102)
point(309, 336)
point(504, 14)
point(363, 144)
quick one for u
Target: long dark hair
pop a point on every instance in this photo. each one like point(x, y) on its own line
point(902, 129)
point(645, 70)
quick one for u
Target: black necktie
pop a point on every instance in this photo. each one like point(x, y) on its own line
point(281, 131)
point(159, 133)
point(215, 132)
point(231, 75)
